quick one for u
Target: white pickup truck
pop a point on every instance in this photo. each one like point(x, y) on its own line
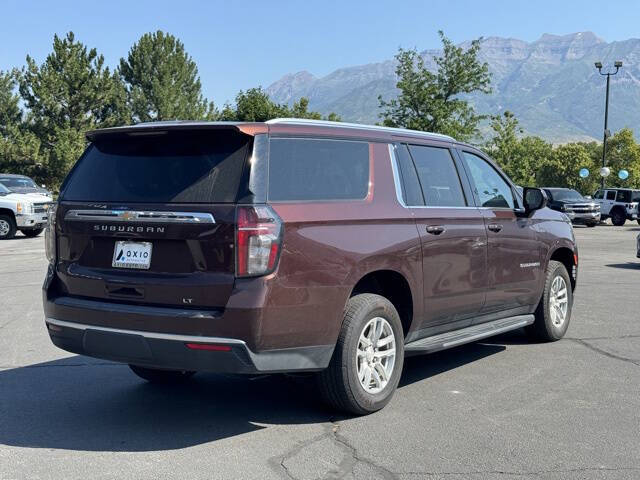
point(26, 212)
point(619, 204)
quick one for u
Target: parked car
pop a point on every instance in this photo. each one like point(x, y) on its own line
point(619, 204)
point(24, 212)
point(22, 184)
point(579, 209)
point(297, 246)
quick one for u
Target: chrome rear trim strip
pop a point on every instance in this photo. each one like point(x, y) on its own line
point(156, 335)
point(138, 216)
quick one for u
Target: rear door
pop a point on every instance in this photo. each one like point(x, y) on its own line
point(609, 201)
point(514, 260)
point(452, 233)
point(151, 218)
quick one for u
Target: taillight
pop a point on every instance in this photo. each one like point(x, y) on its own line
point(258, 239)
point(50, 233)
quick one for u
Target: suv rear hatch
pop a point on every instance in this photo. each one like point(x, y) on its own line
point(148, 217)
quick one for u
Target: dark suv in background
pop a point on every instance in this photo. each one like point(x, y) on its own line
point(579, 209)
point(297, 246)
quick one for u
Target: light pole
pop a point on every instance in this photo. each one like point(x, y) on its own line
point(618, 65)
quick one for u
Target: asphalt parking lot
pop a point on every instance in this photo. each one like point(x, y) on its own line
point(504, 408)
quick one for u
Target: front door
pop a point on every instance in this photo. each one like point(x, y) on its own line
point(514, 258)
point(453, 237)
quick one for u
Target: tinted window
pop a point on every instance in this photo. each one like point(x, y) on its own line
point(306, 169)
point(611, 195)
point(411, 189)
point(438, 176)
point(624, 196)
point(20, 182)
point(491, 188)
point(564, 195)
point(189, 167)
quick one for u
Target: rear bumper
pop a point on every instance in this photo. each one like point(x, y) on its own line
point(170, 351)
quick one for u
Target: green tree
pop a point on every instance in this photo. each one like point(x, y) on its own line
point(70, 93)
point(520, 158)
point(623, 153)
point(561, 170)
point(10, 113)
point(254, 105)
point(431, 101)
point(19, 148)
point(162, 81)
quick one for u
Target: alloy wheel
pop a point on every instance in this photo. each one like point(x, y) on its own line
point(4, 228)
point(558, 301)
point(376, 355)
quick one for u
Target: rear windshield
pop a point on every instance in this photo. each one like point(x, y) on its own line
point(318, 169)
point(176, 167)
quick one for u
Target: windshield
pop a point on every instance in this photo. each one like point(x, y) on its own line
point(17, 182)
point(565, 195)
point(4, 190)
point(190, 167)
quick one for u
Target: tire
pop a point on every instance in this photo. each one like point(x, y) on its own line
point(340, 383)
point(638, 221)
point(618, 217)
point(157, 375)
point(7, 227)
point(592, 224)
point(32, 232)
point(546, 326)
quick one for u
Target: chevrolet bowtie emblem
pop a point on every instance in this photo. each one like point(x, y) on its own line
point(129, 216)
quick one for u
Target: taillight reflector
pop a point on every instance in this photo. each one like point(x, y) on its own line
point(208, 346)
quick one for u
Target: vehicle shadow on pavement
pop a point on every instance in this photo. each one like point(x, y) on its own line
point(626, 266)
point(79, 403)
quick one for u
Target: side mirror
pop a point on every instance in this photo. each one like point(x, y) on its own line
point(43, 186)
point(588, 196)
point(533, 199)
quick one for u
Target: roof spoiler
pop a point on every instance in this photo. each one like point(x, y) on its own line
point(161, 128)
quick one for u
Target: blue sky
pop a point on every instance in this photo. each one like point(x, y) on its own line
point(238, 45)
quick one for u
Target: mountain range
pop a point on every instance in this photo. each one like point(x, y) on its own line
point(551, 85)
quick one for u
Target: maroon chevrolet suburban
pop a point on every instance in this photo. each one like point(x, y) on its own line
point(297, 246)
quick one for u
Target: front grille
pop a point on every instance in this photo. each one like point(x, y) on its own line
point(40, 207)
point(582, 208)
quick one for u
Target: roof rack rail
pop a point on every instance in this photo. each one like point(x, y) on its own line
point(359, 126)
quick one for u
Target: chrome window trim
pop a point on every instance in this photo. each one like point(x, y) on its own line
point(141, 216)
point(396, 181)
point(155, 335)
point(358, 126)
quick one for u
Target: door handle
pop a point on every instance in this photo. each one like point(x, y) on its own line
point(435, 229)
point(494, 227)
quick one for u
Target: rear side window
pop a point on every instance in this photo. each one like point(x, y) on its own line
point(438, 176)
point(318, 169)
point(176, 167)
point(624, 196)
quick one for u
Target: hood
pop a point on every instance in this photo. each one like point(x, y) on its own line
point(584, 201)
point(40, 190)
point(26, 197)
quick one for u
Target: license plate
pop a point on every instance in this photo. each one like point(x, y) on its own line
point(132, 255)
